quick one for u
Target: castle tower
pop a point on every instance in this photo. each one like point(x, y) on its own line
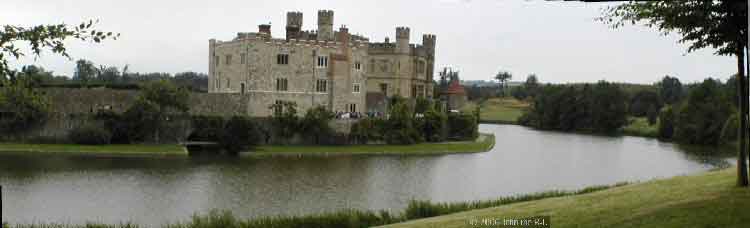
point(293, 25)
point(402, 40)
point(325, 25)
point(428, 41)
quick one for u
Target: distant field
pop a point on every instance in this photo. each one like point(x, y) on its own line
point(502, 110)
point(124, 150)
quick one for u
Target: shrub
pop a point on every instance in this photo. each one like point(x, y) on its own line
point(115, 123)
point(433, 126)
point(367, 130)
point(284, 119)
point(207, 128)
point(463, 126)
point(399, 128)
point(21, 107)
point(143, 120)
point(314, 125)
point(239, 133)
point(89, 134)
point(666, 123)
point(701, 118)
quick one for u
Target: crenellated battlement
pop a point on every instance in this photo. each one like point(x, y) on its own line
point(325, 17)
point(402, 33)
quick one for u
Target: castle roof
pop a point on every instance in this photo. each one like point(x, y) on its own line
point(455, 88)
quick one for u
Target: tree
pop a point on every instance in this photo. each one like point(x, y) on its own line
point(42, 37)
point(284, 119)
point(666, 123)
point(239, 134)
point(719, 24)
point(21, 107)
point(503, 77)
point(85, 71)
point(531, 85)
point(670, 90)
point(643, 101)
point(702, 117)
point(314, 124)
point(163, 99)
point(400, 125)
point(609, 110)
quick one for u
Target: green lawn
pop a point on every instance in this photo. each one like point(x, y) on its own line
point(124, 149)
point(502, 110)
point(703, 200)
point(638, 126)
point(483, 143)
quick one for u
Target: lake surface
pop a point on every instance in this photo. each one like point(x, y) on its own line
point(154, 191)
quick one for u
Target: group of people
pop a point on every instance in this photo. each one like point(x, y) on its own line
point(358, 115)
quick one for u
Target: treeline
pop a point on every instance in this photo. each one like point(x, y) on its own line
point(87, 74)
point(701, 113)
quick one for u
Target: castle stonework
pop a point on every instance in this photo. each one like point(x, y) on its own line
point(334, 69)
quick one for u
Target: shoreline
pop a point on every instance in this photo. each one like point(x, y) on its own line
point(483, 143)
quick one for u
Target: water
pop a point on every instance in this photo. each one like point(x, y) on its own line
point(75, 189)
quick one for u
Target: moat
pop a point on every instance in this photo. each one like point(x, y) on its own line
point(73, 189)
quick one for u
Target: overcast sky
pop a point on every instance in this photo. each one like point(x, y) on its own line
point(559, 41)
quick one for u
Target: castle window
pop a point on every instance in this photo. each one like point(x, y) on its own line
point(322, 61)
point(278, 108)
point(355, 88)
point(384, 88)
point(228, 86)
point(420, 91)
point(352, 107)
point(358, 66)
point(413, 91)
point(281, 84)
point(420, 67)
point(282, 59)
point(243, 58)
point(321, 86)
point(229, 59)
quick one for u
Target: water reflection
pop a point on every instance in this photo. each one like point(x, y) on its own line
point(158, 190)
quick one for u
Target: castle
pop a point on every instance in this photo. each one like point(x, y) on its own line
point(333, 69)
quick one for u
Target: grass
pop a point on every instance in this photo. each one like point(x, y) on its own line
point(704, 200)
point(501, 110)
point(483, 143)
point(113, 149)
point(638, 126)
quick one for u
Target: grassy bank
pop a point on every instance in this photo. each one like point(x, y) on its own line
point(638, 126)
point(483, 143)
point(109, 150)
point(501, 110)
point(704, 200)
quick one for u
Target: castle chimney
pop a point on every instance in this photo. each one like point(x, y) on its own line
point(325, 25)
point(264, 29)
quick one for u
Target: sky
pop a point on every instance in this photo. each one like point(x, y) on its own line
point(558, 41)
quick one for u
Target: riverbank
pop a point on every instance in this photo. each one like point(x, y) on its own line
point(704, 200)
point(95, 150)
point(483, 143)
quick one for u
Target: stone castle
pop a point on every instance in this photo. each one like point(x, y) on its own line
point(334, 69)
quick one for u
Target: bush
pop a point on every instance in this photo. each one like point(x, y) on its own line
point(463, 126)
point(399, 128)
point(239, 133)
point(115, 123)
point(314, 125)
point(666, 123)
point(702, 117)
point(207, 128)
point(367, 130)
point(21, 107)
point(90, 134)
point(433, 126)
point(143, 120)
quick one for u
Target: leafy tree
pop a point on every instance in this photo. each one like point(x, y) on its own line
point(284, 119)
point(85, 71)
point(670, 89)
point(399, 126)
point(643, 101)
point(433, 125)
point(608, 111)
point(142, 120)
point(108, 75)
point(531, 85)
point(156, 101)
point(314, 124)
point(652, 114)
point(702, 118)
point(422, 105)
point(463, 126)
point(367, 129)
point(719, 24)
point(42, 37)
point(240, 133)
point(503, 77)
point(666, 123)
point(21, 107)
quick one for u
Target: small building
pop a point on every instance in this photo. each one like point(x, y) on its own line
point(455, 95)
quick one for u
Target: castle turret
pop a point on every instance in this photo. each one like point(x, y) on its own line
point(325, 25)
point(293, 25)
point(264, 29)
point(402, 40)
point(428, 41)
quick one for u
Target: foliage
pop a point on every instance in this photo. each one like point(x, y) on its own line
point(652, 115)
point(143, 120)
point(670, 90)
point(116, 124)
point(284, 119)
point(667, 119)
point(90, 134)
point(599, 108)
point(720, 24)
point(239, 133)
point(84, 71)
point(422, 105)
point(207, 128)
point(41, 37)
point(643, 101)
point(701, 119)
point(433, 125)
point(463, 126)
point(314, 125)
point(729, 130)
point(21, 107)
point(399, 127)
point(166, 96)
point(367, 129)
point(503, 77)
